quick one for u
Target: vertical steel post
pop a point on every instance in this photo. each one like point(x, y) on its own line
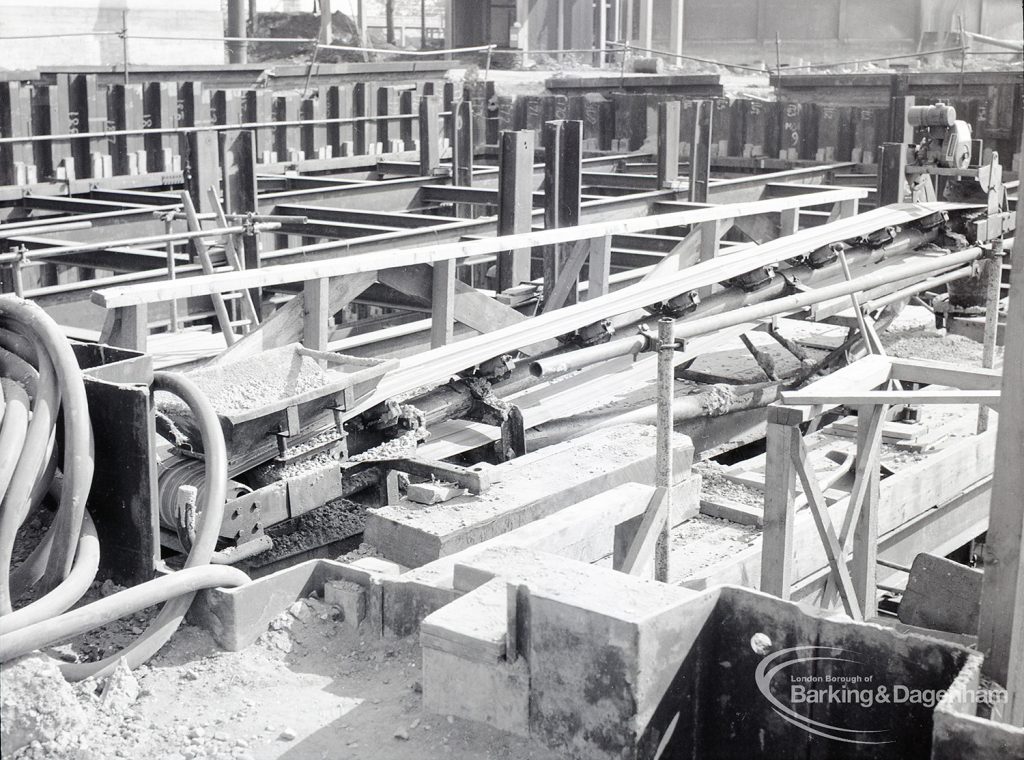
point(700, 155)
point(663, 456)
point(236, 28)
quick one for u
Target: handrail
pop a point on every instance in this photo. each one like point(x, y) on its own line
point(155, 292)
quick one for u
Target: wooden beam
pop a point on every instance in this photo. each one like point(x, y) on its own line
point(287, 324)
point(1001, 631)
point(779, 509)
point(316, 313)
point(864, 564)
point(937, 373)
point(442, 314)
point(568, 277)
point(599, 268)
point(865, 398)
point(471, 307)
point(740, 262)
point(826, 530)
point(126, 327)
point(640, 554)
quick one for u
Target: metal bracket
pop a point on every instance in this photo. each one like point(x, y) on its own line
point(793, 282)
point(475, 479)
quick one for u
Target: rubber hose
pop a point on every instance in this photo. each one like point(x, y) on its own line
point(30, 467)
point(70, 590)
point(19, 343)
point(20, 371)
point(13, 429)
point(169, 618)
point(53, 559)
point(171, 588)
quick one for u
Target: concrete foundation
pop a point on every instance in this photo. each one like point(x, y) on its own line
point(530, 487)
point(583, 532)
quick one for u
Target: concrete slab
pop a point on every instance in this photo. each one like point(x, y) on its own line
point(531, 487)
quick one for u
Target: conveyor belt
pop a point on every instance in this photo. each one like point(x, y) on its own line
point(438, 365)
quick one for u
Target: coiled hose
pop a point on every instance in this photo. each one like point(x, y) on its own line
point(39, 379)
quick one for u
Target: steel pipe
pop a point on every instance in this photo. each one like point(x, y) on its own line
point(733, 301)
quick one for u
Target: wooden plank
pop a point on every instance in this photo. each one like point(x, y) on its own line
point(640, 554)
point(779, 511)
point(939, 373)
point(866, 398)
point(126, 327)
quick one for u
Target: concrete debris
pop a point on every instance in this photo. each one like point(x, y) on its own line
point(37, 706)
point(433, 493)
point(121, 689)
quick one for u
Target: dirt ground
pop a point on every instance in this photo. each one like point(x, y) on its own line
point(310, 688)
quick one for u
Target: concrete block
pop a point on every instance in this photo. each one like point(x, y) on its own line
point(350, 598)
point(603, 647)
point(432, 493)
point(405, 601)
point(496, 693)
point(600, 670)
point(473, 626)
point(377, 565)
point(583, 532)
point(531, 487)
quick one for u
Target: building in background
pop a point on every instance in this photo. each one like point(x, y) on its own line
point(87, 32)
point(738, 31)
